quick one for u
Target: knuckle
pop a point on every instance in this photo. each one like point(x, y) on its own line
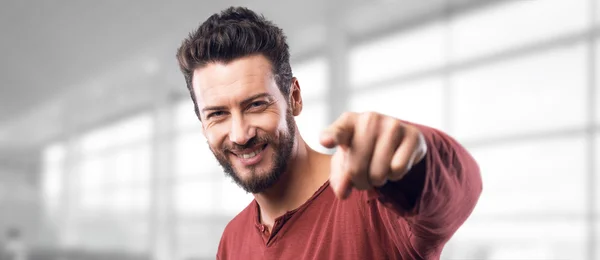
point(347, 115)
point(399, 168)
point(370, 121)
point(370, 116)
point(378, 176)
point(395, 124)
point(412, 131)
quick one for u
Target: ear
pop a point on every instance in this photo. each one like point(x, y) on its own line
point(295, 97)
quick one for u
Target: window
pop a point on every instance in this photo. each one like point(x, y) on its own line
point(196, 197)
point(53, 160)
point(130, 130)
point(400, 54)
point(313, 76)
point(193, 159)
point(311, 122)
point(233, 198)
point(198, 240)
point(597, 86)
point(511, 24)
point(116, 181)
point(419, 102)
point(185, 115)
point(519, 239)
point(512, 172)
point(597, 175)
point(111, 192)
point(540, 92)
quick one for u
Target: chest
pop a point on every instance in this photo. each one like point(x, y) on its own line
point(335, 231)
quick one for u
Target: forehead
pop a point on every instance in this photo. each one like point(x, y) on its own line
point(218, 82)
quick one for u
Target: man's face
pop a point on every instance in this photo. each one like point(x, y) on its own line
point(246, 120)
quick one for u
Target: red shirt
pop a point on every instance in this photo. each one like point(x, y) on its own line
point(409, 219)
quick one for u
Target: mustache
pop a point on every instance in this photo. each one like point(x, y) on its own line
point(227, 147)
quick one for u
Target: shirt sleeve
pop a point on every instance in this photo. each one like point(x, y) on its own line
point(424, 209)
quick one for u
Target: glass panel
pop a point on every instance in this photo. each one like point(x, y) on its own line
point(534, 93)
point(597, 235)
point(511, 174)
point(54, 153)
point(94, 200)
point(517, 240)
point(420, 102)
point(197, 197)
point(142, 157)
point(124, 167)
point(399, 54)
point(197, 241)
point(92, 174)
point(193, 158)
point(311, 121)
point(597, 175)
point(52, 173)
point(233, 198)
point(108, 233)
point(53, 180)
point(597, 75)
point(131, 165)
point(126, 131)
point(185, 116)
point(121, 199)
point(509, 24)
point(313, 77)
point(140, 198)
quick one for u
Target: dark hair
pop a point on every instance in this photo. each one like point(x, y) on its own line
point(235, 33)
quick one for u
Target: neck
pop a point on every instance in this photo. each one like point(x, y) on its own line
point(307, 170)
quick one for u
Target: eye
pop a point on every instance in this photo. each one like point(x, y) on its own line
point(216, 114)
point(257, 104)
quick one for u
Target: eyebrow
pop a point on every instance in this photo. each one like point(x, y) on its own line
point(243, 103)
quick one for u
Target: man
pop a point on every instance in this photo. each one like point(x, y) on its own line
point(392, 189)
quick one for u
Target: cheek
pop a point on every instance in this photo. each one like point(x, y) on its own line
point(269, 122)
point(215, 135)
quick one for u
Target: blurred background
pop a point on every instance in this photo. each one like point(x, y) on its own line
point(101, 156)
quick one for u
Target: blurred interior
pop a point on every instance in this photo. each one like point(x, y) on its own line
point(101, 156)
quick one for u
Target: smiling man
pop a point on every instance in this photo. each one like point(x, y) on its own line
point(392, 190)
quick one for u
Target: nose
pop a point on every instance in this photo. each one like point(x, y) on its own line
point(241, 131)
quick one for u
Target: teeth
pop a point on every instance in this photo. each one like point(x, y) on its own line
point(252, 154)
point(249, 155)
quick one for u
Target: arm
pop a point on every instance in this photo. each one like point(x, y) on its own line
point(435, 197)
point(420, 205)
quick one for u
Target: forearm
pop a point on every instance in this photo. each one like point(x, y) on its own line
point(438, 194)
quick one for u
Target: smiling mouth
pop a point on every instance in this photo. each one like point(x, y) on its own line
point(250, 154)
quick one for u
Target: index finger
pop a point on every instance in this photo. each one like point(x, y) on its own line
point(340, 132)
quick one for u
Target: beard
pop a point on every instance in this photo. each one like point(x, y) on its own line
point(259, 181)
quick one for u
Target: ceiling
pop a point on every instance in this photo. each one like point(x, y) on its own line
point(49, 47)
